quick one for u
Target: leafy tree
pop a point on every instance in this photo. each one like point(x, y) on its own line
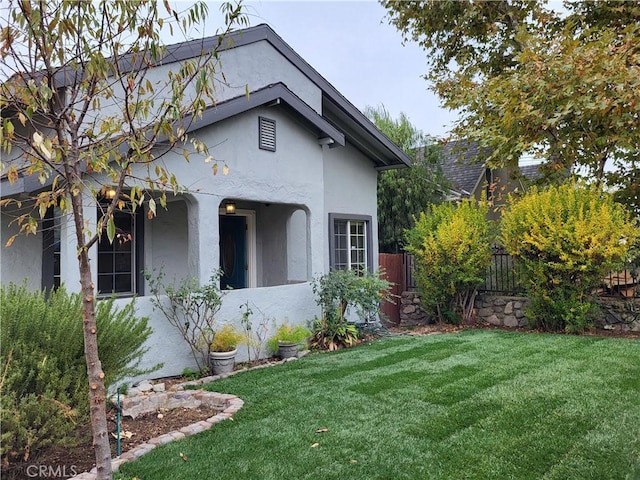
point(452, 249)
point(70, 111)
point(566, 240)
point(565, 86)
point(404, 193)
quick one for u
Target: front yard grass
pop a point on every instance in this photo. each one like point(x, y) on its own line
point(473, 405)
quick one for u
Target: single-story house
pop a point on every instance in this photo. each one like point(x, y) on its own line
point(299, 199)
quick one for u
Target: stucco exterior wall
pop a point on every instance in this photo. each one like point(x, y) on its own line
point(273, 305)
point(23, 259)
point(352, 183)
point(255, 66)
point(167, 239)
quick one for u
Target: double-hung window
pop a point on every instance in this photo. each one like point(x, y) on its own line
point(350, 242)
point(120, 261)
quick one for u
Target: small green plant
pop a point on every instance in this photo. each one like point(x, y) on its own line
point(191, 308)
point(190, 374)
point(338, 291)
point(287, 333)
point(226, 339)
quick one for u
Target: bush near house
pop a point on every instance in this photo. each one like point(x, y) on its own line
point(566, 239)
point(338, 291)
point(452, 249)
point(43, 376)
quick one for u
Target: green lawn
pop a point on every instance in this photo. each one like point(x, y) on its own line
point(477, 404)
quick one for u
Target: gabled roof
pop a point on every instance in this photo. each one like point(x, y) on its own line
point(462, 165)
point(358, 129)
point(269, 95)
point(340, 121)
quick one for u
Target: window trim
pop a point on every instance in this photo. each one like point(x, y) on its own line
point(49, 225)
point(367, 219)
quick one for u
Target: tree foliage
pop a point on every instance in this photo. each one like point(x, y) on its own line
point(526, 79)
point(82, 102)
point(452, 249)
point(404, 193)
point(566, 240)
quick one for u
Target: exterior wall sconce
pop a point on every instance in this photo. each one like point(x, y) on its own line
point(111, 193)
point(230, 208)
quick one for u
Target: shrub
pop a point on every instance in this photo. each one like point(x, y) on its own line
point(191, 308)
point(566, 239)
point(43, 379)
point(452, 249)
point(255, 336)
point(336, 292)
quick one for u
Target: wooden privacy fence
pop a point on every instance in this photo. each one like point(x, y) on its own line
point(394, 270)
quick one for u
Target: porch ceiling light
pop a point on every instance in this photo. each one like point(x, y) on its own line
point(230, 208)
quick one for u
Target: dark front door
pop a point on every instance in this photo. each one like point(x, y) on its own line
point(233, 251)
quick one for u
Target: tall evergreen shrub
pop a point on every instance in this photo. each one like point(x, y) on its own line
point(452, 248)
point(43, 379)
point(567, 238)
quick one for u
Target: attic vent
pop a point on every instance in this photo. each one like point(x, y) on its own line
point(267, 134)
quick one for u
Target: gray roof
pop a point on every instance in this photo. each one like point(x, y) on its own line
point(463, 165)
point(340, 121)
point(531, 172)
point(360, 131)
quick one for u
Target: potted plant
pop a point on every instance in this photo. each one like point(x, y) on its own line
point(223, 349)
point(287, 340)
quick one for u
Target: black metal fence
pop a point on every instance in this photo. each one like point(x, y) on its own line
point(502, 277)
point(502, 274)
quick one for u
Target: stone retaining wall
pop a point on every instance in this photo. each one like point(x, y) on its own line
point(509, 311)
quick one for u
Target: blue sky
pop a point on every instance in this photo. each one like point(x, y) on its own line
point(351, 45)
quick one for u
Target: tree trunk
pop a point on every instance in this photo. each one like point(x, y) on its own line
point(97, 392)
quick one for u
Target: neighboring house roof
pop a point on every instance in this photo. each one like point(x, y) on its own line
point(531, 172)
point(462, 166)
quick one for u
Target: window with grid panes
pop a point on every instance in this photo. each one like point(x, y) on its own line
point(119, 262)
point(350, 242)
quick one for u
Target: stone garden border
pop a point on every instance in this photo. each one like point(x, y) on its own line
point(148, 397)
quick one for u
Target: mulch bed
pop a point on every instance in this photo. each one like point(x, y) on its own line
point(65, 462)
